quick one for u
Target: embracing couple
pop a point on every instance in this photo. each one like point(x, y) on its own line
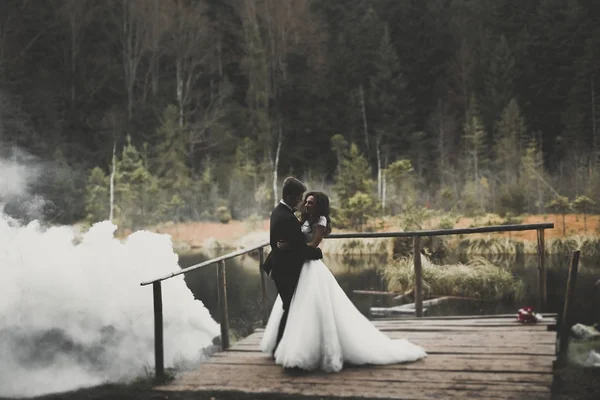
point(313, 324)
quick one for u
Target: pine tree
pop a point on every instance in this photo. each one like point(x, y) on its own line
point(354, 190)
point(61, 190)
point(475, 143)
point(135, 189)
point(511, 139)
point(172, 169)
point(499, 87)
point(96, 196)
point(174, 176)
point(390, 108)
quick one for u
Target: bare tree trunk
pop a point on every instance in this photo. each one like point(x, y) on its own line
point(276, 165)
point(179, 84)
point(595, 142)
point(442, 143)
point(73, 58)
point(128, 55)
point(379, 176)
point(112, 182)
point(156, 49)
point(384, 186)
point(364, 116)
point(134, 44)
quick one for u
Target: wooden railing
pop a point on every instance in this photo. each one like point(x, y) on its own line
point(416, 235)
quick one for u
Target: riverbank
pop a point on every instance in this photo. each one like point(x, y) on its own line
point(196, 236)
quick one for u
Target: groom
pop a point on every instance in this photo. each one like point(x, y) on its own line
point(285, 264)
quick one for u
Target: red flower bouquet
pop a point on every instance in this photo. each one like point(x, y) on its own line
point(527, 315)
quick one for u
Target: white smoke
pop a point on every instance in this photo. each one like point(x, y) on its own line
point(73, 313)
point(15, 178)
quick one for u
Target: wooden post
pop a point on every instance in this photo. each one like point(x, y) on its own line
point(418, 276)
point(565, 325)
point(159, 360)
point(263, 287)
point(222, 291)
point(542, 278)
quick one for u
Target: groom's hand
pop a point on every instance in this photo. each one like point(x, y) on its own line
point(283, 245)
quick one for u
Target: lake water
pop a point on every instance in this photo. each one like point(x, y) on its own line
point(360, 273)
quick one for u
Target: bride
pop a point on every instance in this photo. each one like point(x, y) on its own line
point(324, 329)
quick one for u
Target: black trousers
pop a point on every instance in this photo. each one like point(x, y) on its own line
point(286, 286)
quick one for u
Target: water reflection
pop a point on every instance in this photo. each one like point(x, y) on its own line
point(360, 273)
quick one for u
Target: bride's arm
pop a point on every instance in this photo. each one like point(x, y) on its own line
point(318, 235)
point(318, 232)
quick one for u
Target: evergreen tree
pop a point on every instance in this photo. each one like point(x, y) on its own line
point(499, 83)
point(511, 139)
point(174, 176)
point(171, 167)
point(97, 196)
point(390, 108)
point(354, 190)
point(135, 190)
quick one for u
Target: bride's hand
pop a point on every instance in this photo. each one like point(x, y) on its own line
point(282, 245)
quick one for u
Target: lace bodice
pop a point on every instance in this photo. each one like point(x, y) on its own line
point(307, 229)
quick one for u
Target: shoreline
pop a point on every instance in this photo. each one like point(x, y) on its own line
point(195, 237)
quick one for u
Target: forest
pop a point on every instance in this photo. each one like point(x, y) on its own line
point(146, 111)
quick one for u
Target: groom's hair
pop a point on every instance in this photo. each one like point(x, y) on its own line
point(293, 187)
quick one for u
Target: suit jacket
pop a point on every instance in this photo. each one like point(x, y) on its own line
point(285, 226)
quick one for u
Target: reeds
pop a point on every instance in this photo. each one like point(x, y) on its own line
point(588, 245)
point(478, 278)
point(494, 246)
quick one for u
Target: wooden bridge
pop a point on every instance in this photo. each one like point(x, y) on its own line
point(486, 357)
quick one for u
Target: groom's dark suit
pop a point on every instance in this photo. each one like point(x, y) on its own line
point(286, 264)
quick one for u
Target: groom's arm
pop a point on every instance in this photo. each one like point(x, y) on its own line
point(295, 239)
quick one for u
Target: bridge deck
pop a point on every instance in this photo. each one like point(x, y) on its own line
point(487, 357)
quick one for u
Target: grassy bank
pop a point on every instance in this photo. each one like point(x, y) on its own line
point(478, 279)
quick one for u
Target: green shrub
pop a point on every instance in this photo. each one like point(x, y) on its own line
point(223, 214)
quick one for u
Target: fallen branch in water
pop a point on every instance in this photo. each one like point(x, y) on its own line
point(375, 292)
point(410, 307)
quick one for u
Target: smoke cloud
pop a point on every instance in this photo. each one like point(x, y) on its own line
point(73, 313)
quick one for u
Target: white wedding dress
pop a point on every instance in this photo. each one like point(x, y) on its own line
point(325, 330)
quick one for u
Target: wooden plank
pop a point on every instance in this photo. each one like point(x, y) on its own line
point(462, 317)
point(508, 338)
point(249, 356)
point(449, 349)
point(443, 232)
point(502, 339)
point(383, 373)
point(438, 362)
point(457, 342)
point(477, 323)
point(429, 343)
point(393, 385)
point(355, 390)
point(505, 338)
point(377, 374)
point(454, 328)
point(474, 322)
point(550, 319)
point(512, 320)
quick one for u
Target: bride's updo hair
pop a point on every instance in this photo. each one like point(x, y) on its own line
point(322, 210)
